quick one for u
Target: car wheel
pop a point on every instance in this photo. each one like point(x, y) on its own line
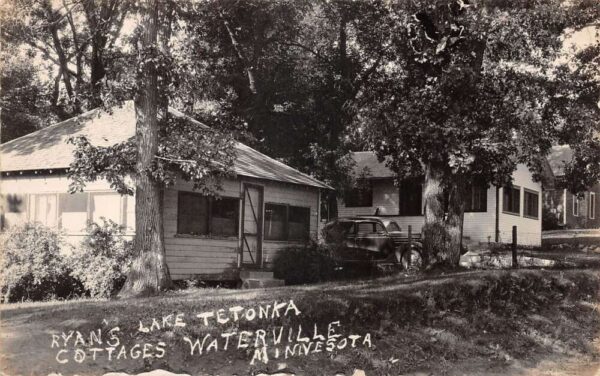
point(416, 260)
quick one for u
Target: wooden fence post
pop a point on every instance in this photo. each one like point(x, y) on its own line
point(409, 245)
point(514, 247)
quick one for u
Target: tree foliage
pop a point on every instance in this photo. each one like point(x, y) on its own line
point(78, 42)
point(24, 97)
point(459, 91)
point(470, 89)
point(188, 150)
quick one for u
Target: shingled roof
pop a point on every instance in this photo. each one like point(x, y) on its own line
point(47, 148)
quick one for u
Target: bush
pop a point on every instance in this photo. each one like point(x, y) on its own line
point(102, 262)
point(549, 220)
point(309, 263)
point(32, 265)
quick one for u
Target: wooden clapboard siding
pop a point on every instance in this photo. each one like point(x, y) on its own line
point(187, 256)
point(478, 226)
point(216, 258)
point(529, 230)
point(192, 256)
point(294, 195)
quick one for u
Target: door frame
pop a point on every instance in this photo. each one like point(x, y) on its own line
point(259, 218)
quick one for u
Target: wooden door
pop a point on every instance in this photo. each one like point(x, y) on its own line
point(252, 225)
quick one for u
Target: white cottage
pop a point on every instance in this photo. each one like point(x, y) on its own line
point(490, 213)
point(264, 208)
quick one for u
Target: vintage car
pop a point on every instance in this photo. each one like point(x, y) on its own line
point(371, 239)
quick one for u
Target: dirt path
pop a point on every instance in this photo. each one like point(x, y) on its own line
point(551, 366)
point(555, 337)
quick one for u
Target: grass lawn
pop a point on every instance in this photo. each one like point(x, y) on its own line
point(479, 322)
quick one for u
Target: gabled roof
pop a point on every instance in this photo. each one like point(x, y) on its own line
point(559, 155)
point(47, 148)
point(367, 160)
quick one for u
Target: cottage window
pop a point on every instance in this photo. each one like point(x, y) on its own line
point(192, 214)
point(201, 215)
point(476, 199)
point(592, 205)
point(531, 204)
point(107, 206)
point(411, 197)
point(275, 221)
point(575, 206)
point(299, 223)
point(511, 201)
point(12, 207)
point(43, 209)
point(285, 222)
point(73, 211)
point(129, 214)
point(15, 203)
point(360, 196)
point(224, 216)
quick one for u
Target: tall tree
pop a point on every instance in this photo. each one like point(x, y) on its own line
point(77, 41)
point(149, 270)
point(167, 146)
point(465, 94)
point(291, 70)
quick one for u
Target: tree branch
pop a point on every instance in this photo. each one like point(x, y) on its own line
point(78, 50)
point(176, 160)
point(241, 55)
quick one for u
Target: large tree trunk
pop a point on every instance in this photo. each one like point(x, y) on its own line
point(442, 232)
point(149, 273)
point(454, 221)
point(434, 231)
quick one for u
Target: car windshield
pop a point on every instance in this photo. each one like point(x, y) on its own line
point(392, 226)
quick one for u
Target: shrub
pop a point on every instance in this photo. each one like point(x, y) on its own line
point(102, 262)
point(308, 263)
point(32, 265)
point(549, 220)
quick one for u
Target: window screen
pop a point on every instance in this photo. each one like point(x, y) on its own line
point(476, 199)
point(531, 204)
point(275, 221)
point(511, 202)
point(299, 223)
point(73, 211)
point(192, 214)
point(224, 218)
point(44, 209)
point(107, 206)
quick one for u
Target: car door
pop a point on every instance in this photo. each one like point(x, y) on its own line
point(371, 239)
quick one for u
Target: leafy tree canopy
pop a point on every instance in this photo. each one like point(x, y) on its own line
point(471, 88)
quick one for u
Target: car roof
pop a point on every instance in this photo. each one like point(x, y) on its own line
point(360, 219)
